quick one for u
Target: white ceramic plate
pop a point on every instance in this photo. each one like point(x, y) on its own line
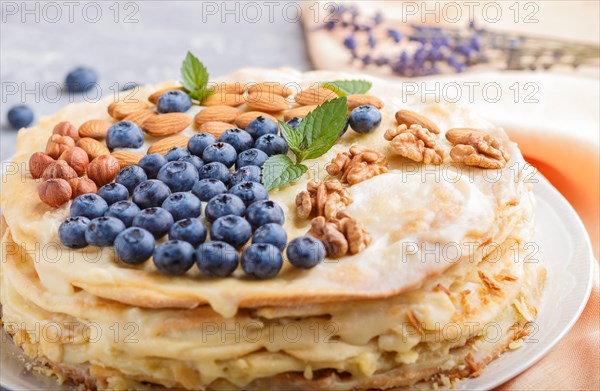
point(564, 248)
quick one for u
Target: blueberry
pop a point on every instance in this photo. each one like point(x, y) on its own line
point(305, 252)
point(102, 231)
point(271, 233)
point(220, 152)
point(173, 102)
point(260, 126)
point(174, 257)
point(179, 176)
point(72, 232)
point(294, 122)
point(272, 145)
point(193, 160)
point(134, 245)
point(192, 231)
point(152, 163)
point(113, 192)
point(250, 192)
point(251, 157)
point(176, 153)
point(231, 229)
point(20, 116)
point(150, 193)
point(124, 211)
point(246, 173)
point(205, 189)
point(130, 177)
point(130, 85)
point(183, 205)
point(124, 134)
point(261, 260)
point(81, 79)
point(264, 212)
point(88, 205)
point(200, 141)
point(216, 259)
point(237, 138)
point(156, 220)
point(224, 205)
point(215, 170)
point(364, 119)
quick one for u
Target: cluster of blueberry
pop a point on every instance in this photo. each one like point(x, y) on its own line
point(167, 193)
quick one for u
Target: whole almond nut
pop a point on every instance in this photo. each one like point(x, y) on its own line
point(299, 112)
point(153, 98)
point(57, 144)
point(127, 158)
point(65, 128)
point(77, 158)
point(92, 147)
point(59, 169)
point(216, 113)
point(408, 118)
point(270, 88)
point(314, 96)
point(228, 88)
point(120, 110)
point(94, 128)
point(223, 99)
point(139, 117)
point(245, 118)
point(103, 169)
point(269, 103)
point(166, 144)
point(167, 124)
point(55, 192)
point(38, 163)
point(356, 100)
point(81, 186)
point(215, 128)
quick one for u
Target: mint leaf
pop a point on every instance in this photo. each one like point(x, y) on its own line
point(348, 87)
point(293, 138)
point(279, 170)
point(195, 77)
point(322, 127)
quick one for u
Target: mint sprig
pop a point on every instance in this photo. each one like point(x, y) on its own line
point(195, 78)
point(348, 87)
point(313, 137)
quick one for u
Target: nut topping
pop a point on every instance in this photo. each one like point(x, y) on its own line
point(476, 148)
point(77, 158)
point(58, 144)
point(103, 169)
point(59, 169)
point(408, 118)
point(341, 235)
point(322, 199)
point(55, 192)
point(81, 186)
point(38, 163)
point(415, 143)
point(357, 165)
point(65, 128)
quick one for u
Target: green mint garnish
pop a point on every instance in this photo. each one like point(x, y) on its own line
point(279, 170)
point(195, 78)
point(348, 87)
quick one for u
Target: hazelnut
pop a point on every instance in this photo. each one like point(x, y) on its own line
point(103, 169)
point(57, 144)
point(55, 192)
point(38, 163)
point(77, 158)
point(81, 186)
point(65, 128)
point(59, 169)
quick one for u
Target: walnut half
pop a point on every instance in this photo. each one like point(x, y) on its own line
point(415, 143)
point(476, 148)
point(357, 165)
point(322, 199)
point(341, 235)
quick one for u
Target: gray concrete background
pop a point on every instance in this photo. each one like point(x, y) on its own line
point(134, 41)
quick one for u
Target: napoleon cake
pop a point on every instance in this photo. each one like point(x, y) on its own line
point(186, 236)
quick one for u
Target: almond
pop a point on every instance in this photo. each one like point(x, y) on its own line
point(153, 98)
point(92, 147)
point(94, 128)
point(244, 119)
point(215, 128)
point(299, 112)
point(120, 110)
point(57, 144)
point(59, 169)
point(38, 163)
point(356, 100)
point(228, 88)
point(77, 158)
point(127, 158)
point(223, 99)
point(166, 124)
point(407, 117)
point(55, 192)
point(81, 186)
point(314, 96)
point(270, 88)
point(269, 103)
point(166, 144)
point(65, 128)
point(103, 169)
point(139, 117)
point(217, 113)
